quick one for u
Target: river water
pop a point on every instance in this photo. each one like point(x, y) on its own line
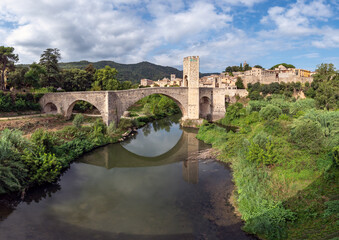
point(152, 186)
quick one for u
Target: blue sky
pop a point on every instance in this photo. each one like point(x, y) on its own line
point(222, 32)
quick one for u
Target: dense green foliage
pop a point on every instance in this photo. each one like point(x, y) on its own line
point(239, 83)
point(12, 169)
point(129, 72)
point(49, 60)
point(155, 105)
point(284, 64)
point(105, 79)
point(78, 120)
point(325, 87)
point(239, 68)
point(19, 102)
point(48, 74)
point(40, 160)
point(282, 145)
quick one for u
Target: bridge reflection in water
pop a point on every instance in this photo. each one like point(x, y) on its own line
point(185, 150)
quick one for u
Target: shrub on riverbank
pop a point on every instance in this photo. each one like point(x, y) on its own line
point(275, 159)
point(19, 102)
point(42, 158)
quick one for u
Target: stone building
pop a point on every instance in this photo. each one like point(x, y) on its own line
point(279, 74)
point(146, 82)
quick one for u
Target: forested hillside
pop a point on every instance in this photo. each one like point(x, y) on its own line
point(129, 72)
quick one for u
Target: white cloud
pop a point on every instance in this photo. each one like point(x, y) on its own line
point(330, 39)
point(297, 19)
point(201, 17)
point(161, 31)
point(247, 3)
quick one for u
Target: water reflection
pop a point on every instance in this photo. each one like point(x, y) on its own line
point(155, 138)
point(134, 152)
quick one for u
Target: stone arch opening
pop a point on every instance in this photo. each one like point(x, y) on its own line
point(185, 81)
point(84, 107)
point(50, 108)
point(205, 108)
point(139, 105)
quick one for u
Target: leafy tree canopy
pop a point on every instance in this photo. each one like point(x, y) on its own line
point(49, 59)
point(284, 64)
point(239, 83)
point(105, 79)
point(7, 60)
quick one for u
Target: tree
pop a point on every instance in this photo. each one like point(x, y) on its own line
point(257, 66)
point(326, 86)
point(105, 79)
point(247, 67)
point(49, 59)
point(270, 112)
point(90, 69)
point(7, 60)
point(284, 64)
point(239, 83)
point(76, 80)
point(32, 77)
point(228, 69)
point(16, 78)
point(126, 85)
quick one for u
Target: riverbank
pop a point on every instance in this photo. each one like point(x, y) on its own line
point(285, 167)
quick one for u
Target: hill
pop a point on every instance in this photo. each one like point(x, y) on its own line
point(131, 72)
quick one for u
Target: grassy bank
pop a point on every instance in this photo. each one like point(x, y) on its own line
point(285, 166)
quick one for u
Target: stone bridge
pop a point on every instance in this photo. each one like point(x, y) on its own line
point(195, 102)
point(112, 104)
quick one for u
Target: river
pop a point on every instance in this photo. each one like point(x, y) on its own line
point(152, 186)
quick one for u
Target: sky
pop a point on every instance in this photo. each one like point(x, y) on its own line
point(222, 32)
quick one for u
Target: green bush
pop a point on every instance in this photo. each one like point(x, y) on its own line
point(302, 105)
point(332, 208)
point(272, 223)
point(44, 139)
point(42, 167)
point(78, 120)
point(265, 155)
point(12, 170)
point(233, 112)
point(281, 103)
point(307, 134)
point(256, 105)
point(125, 123)
point(111, 129)
point(270, 112)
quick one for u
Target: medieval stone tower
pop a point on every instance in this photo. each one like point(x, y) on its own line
point(191, 80)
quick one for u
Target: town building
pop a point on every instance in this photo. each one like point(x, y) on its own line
point(227, 80)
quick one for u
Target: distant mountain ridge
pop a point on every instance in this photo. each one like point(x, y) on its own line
point(131, 72)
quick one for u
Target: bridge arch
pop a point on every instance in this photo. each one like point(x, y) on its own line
point(205, 108)
point(50, 107)
point(69, 109)
point(127, 98)
point(179, 104)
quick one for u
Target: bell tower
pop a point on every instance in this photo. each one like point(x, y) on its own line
point(191, 80)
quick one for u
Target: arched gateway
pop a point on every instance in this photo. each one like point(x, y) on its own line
point(193, 101)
